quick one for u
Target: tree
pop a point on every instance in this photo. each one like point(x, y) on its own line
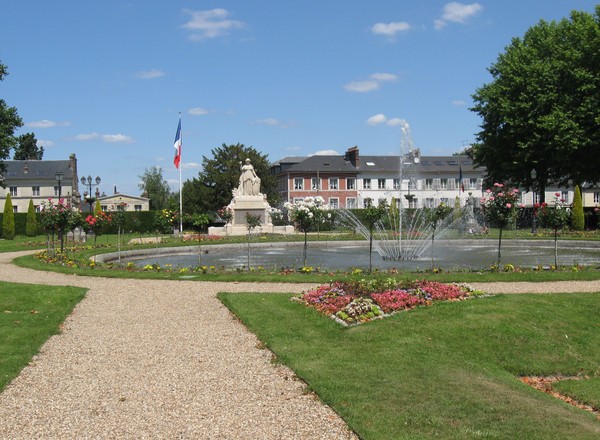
point(9, 122)
point(542, 108)
point(373, 215)
point(578, 217)
point(156, 187)
point(27, 149)
point(8, 220)
point(220, 175)
point(31, 224)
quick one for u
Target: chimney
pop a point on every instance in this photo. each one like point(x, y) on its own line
point(352, 156)
point(115, 189)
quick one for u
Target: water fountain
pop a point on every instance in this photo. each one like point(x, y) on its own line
point(408, 234)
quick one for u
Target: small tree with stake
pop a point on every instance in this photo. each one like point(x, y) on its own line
point(434, 217)
point(306, 214)
point(252, 221)
point(373, 215)
point(556, 216)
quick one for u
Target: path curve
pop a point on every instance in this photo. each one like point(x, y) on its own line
point(165, 359)
point(157, 359)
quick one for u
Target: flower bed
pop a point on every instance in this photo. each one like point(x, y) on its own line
point(361, 301)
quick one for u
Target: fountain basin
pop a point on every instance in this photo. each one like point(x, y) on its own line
point(343, 255)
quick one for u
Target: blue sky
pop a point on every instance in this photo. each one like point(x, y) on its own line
point(107, 79)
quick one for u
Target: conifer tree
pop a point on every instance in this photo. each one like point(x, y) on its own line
point(31, 225)
point(8, 220)
point(578, 218)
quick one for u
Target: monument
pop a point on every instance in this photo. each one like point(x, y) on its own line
point(247, 199)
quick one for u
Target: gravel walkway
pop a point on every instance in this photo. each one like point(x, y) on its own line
point(165, 359)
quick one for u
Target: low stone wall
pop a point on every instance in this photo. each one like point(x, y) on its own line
point(242, 230)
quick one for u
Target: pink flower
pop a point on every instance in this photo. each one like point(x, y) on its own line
point(562, 200)
point(508, 205)
point(488, 190)
point(557, 194)
point(500, 194)
point(497, 185)
point(521, 206)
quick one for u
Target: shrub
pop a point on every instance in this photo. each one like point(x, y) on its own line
point(8, 220)
point(578, 220)
point(31, 223)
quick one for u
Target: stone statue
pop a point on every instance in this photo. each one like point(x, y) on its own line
point(249, 181)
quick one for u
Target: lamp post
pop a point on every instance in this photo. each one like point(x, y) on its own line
point(533, 175)
point(59, 176)
point(88, 195)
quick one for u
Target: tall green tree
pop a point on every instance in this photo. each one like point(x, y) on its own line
point(578, 219)
point(27, 148)
point(541, 110)
point(155, 187)
point(31, 223)
point(8, 219)
point(220, 174)
point(9, 122)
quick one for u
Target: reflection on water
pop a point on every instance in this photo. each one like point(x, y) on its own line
point(338, 255)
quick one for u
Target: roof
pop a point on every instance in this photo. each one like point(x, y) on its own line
point(333, 164)
point(36, 169)
point(117, 195)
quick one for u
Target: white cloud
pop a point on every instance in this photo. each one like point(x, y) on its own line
point(191, 165)
point(273, 122)
point(198, 111)
point(459, 102)
point(457, 13)
point(45, 123)
point(377, 119)
point(394, 122)
point(150, 74)
point(45, 143)
point(390, 29)
point(210, 24)
point(381, 77)
point(109, 138)
point(325, 153)
point(373, 83)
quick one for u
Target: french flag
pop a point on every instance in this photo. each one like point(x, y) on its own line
point(177, 145)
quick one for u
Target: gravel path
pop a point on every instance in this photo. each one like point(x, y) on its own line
point(165, 359)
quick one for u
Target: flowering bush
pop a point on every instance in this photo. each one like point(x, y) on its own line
point(98, 221)
point(165, 220)
point(307, 213)
point(361, 301)
point(499, 206)
point(226, 213)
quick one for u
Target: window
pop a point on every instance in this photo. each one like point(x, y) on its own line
point(472, 183)
point(15, 209)
point(429, 203)
point(137, 208)
point(428, 183)
point(13, 191)
point(350, 183)
point(298, 199)
point(412, 183)
point(38, 208)
point(381, 202)
point(366, 183)
point(104, 208)
point(443, 183)
point(445, 201)
point(298, 183)
point(413, 203)
point(564, 195)
point(333, 183)
point(597, 197)
point(396, 184)
point(367, 202)
point(35, 190)
point(350, 203)
point(380, 183)
point(452, 183)
point(334, 203)
point(56, 191)
point(314, 183)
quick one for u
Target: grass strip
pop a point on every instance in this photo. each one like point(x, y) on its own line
point(29, 315)
point(449, 371)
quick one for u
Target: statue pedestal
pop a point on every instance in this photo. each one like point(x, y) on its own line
point(255, 205)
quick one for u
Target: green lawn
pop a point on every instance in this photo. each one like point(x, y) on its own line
point(448, 371)
point(29, 315)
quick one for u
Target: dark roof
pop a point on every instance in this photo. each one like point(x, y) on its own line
point(289, 160)
point(36, 169)
point(447, 164)
point(379, 163)
point(333, 164)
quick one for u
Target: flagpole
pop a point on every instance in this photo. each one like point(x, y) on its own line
point(180, 195)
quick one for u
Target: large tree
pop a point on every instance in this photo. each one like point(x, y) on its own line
point(155, 187)
point(27, 148)
point(9, 122)
point(542, 109)
point(220, 175)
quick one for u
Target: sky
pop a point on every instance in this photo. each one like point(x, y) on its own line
point(107, 80)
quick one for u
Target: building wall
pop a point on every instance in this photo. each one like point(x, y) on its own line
point(129, 203)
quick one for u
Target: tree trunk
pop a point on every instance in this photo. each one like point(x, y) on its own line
point(370, 250)
point(556, 248)
point(304, 252)
point(432, 241)
point(499, 247)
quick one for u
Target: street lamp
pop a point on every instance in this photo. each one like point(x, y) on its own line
point(59, 176)
point(533, 175)
point(88, 195)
